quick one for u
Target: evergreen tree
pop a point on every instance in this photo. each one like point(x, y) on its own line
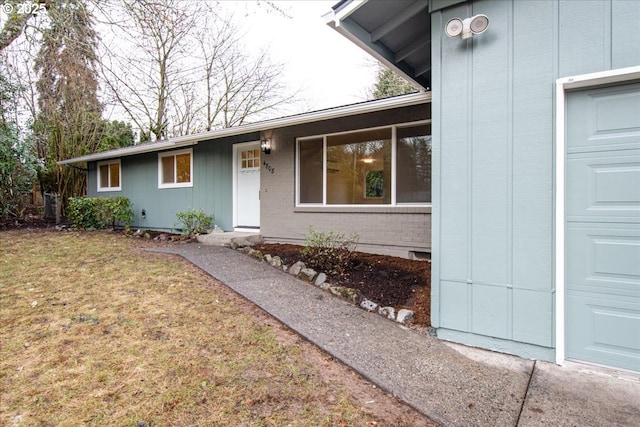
point(69, 123)
point(390, 84)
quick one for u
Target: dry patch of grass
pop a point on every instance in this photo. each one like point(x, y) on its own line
point(94, 331)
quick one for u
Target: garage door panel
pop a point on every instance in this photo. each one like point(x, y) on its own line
point(609, 118)
point(610, 332)
point(604, 187)
point(605, 258)
point(602, 228)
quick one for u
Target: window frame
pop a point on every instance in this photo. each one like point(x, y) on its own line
point(394, 153)
point(173, 154)
point(99, 187)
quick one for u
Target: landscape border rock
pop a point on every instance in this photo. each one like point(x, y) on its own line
point(300, 270)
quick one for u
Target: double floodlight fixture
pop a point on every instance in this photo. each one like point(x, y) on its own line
point(469, 27)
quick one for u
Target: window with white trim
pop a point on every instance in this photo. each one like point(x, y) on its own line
point(175, 169)
point(109, 176)
point(380, 166)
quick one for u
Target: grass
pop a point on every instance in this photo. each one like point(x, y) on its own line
point(95, 332)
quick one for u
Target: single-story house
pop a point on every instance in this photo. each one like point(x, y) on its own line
point(363, 168)
point(531, 116)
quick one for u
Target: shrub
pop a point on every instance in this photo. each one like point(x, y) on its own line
point(114, 211)
point(195, 221)
point(99, 212)
point(82, 212)
point(329, 251)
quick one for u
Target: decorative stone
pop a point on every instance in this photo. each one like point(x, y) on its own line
point(296, 268)
point(308, 274)
point(267, 258)
point(404, 315)
point(325, 286)
point(275, 261)
point(368, 305)
point(388, 312)
point(320, 279)
point(256, 254)
point(346, 293)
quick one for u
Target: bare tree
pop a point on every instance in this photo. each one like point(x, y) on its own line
point(181, 68)
point(249, 88)
point(149, 69)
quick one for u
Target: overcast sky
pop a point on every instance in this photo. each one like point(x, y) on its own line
point(326, 68)
point(329, 69)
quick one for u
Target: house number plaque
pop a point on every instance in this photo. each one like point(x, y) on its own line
point(268, 167)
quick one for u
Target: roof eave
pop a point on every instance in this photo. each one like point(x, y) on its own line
point(385, 58)
point(314, 116)
point(129, 151)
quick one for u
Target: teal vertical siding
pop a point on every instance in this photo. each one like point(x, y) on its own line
point(212, 185)
point(493, 136)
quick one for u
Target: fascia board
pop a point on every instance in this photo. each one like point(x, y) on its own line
point(314, 116)
point(347, 9)
point(362, 38)
point(130, 151)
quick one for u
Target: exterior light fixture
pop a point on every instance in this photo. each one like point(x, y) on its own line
point(469, 27)
point(265, 146)
point(143, 214)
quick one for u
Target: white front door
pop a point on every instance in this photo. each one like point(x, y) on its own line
point(247, 194)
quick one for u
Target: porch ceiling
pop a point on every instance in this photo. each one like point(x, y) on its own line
point(396, 32)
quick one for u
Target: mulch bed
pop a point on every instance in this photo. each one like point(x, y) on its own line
point(387, 280)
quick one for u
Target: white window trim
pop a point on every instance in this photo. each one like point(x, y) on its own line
point(324, 204)
point(107, 189)
point(162, 185)
point(562, 86)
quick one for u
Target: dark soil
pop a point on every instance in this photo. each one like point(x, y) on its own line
point(29, 221)
point(389, 281)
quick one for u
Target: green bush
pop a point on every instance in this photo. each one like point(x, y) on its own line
point(99, 212)
point(330, 251)
point(114, 211)
point(195, 221)
point(82, 212)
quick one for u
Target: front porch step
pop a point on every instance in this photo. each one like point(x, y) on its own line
point(217, 238)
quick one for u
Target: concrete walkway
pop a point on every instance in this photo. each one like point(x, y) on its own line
point(452, 384)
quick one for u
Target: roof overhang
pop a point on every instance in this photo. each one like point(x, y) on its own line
point(396, 32)
point(298, 119)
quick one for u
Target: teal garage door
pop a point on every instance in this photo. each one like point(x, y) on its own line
point(602, 258)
